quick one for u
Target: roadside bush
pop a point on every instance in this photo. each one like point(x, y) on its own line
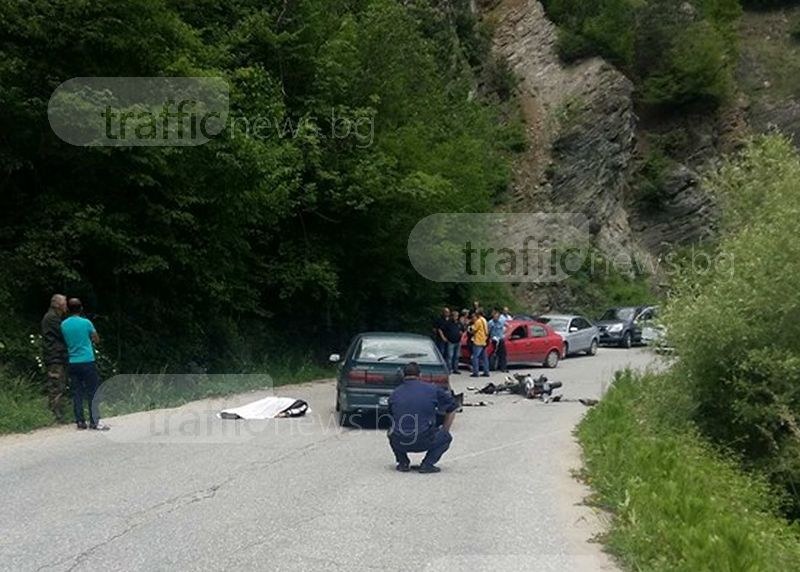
point(736, 328)
point(794, 29)
point(23, 406)
point(679, 505)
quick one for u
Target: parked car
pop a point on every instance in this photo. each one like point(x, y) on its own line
point(652, 329)
point(373, 367)
point(619, 326)
point(527, 342)
point(654, 332)
point(580, 335)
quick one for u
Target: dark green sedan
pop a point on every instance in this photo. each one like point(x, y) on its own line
point(373, 367)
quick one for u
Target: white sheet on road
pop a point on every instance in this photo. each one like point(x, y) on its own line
point(267, 408)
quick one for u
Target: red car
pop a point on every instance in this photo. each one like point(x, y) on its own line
point(527, 342)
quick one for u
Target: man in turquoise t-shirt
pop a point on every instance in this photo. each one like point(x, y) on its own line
point(80, 336)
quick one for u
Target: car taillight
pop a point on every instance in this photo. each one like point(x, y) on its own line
point(365, 376)
point(357, 376)
point(437, 379)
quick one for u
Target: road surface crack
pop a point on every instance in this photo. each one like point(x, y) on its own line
point(139, 519)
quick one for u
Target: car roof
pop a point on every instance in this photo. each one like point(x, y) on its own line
point(516, 323)
point(397, 335)
point(563, 316)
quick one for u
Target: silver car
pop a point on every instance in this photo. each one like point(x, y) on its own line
point(654, 332)
point(579, 334)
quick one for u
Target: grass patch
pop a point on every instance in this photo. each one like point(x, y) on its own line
point(679, 504)
point(23, 407)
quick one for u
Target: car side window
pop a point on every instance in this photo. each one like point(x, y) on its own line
point(645, 316)
point(518, 333)
point(580, 323)
point(538, 332)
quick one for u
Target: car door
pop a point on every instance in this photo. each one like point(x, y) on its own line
point(538, 343)
point(642, 321)
point(585, 333)
point(592, 333)
point(516, 342)
point(575, 337)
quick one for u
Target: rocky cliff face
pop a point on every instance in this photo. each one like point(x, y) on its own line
point(583, 135)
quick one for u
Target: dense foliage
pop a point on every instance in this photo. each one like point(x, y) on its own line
point(221, 253)
point(736, 322)
point(678, 504)
point(677, 52)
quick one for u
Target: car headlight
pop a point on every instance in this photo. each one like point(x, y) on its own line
point(615, 328)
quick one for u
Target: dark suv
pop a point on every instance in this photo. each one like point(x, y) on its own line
point(619, 326)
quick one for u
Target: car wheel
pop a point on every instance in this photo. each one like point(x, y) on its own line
point(593, 348)
point(627, 341)
point(552, 359)
point(344, 419)
point(566, 349)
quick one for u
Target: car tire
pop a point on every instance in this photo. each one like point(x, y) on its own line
point(343, 418)
point(566, 349)
point(551, 361)
point(627, 341)
point(593, 348)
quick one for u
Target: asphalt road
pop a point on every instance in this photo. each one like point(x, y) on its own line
point(183, 490)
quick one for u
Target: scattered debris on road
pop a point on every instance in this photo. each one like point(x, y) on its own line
point(530, 387)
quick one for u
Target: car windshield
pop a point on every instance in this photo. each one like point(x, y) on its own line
point(397, 350)
point(623, 314)
point(558, 324)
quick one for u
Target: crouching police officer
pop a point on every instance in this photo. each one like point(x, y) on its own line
point(413, 408)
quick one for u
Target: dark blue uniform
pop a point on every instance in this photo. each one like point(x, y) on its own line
point(414, 407)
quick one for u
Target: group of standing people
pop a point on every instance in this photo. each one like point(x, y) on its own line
point(452, 329)
point(68, 340)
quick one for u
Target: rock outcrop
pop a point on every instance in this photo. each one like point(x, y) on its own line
point(582, 132)
point(580, 125)
point(685, 213)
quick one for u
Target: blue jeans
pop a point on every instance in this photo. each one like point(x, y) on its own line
point(441, 345)
point(433, 443)
point(479, 356)
point(453, 349)
point(84, 379)
point(499, 358)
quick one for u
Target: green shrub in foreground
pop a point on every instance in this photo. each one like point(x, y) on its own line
point(678, 504)
point(736, 327)
point(22, 405)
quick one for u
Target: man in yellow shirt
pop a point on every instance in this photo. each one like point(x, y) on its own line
point(480, 337)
